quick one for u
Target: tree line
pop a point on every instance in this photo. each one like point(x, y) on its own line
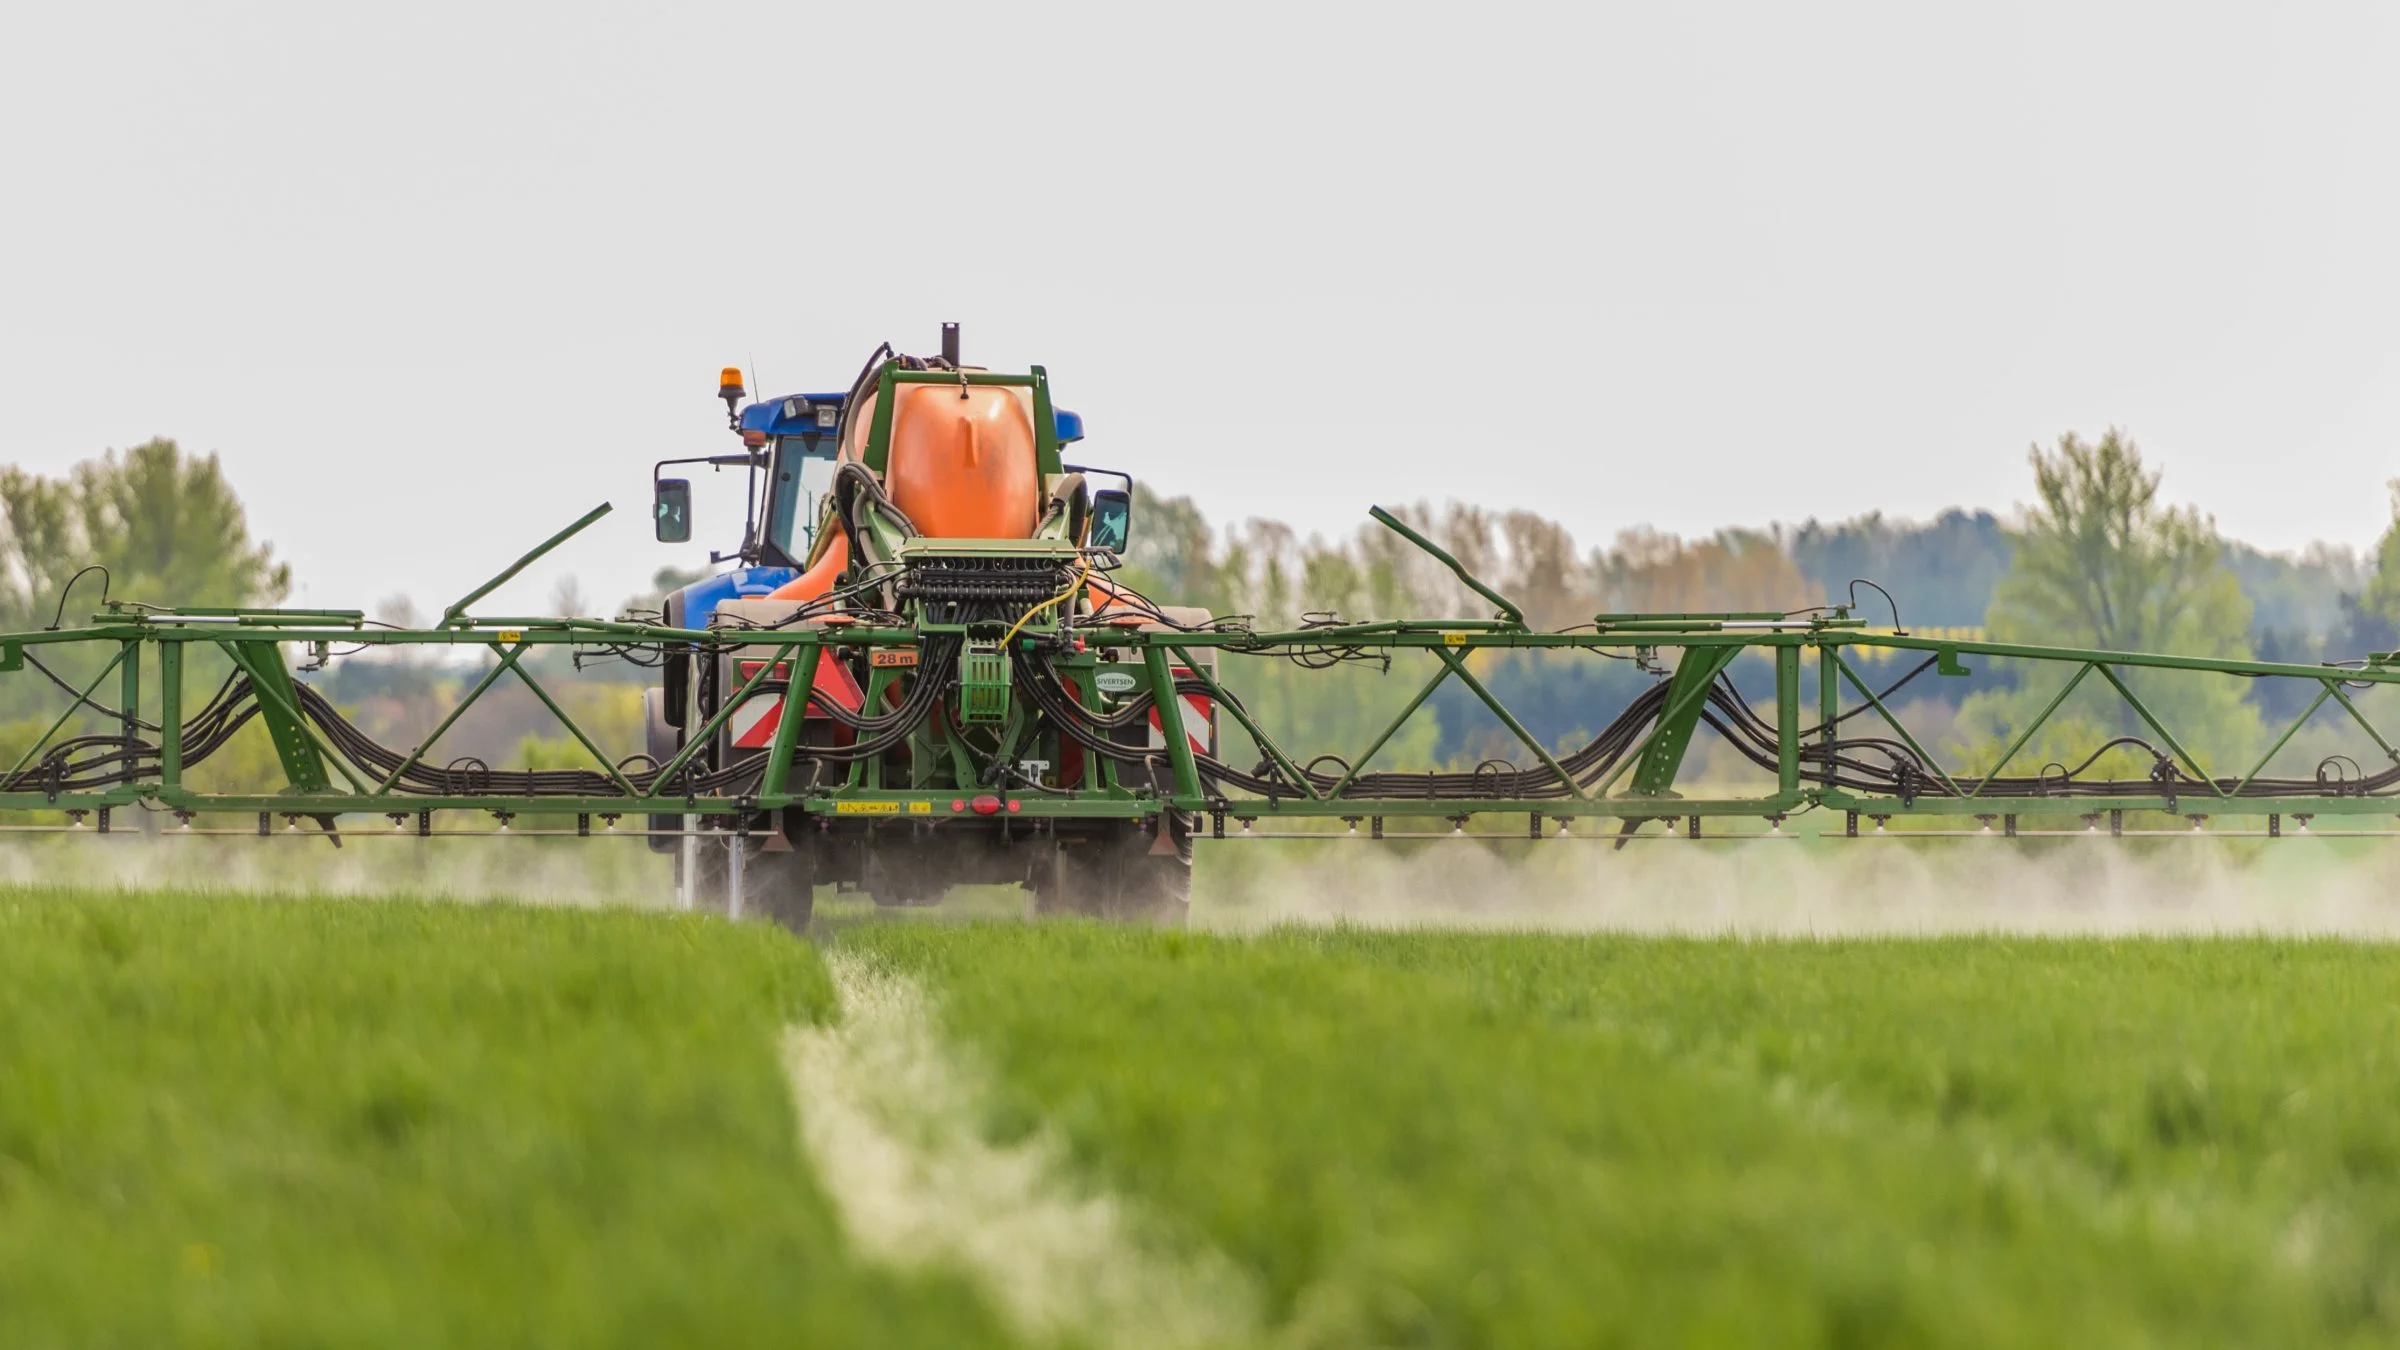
point(2096, 559)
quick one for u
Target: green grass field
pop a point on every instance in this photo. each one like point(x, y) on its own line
point(247, 1122)
point(1533, 1139)
point(228, 1121)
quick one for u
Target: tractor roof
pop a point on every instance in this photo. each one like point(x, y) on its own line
point(796, 413)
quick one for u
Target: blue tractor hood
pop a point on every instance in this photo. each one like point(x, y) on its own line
point(692, 606)
point(795, 414)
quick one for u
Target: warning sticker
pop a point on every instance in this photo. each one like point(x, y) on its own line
point(882, 808)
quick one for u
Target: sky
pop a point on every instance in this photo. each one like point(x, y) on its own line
point(434, 279)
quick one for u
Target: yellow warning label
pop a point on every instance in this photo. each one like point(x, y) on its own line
point(920, 808)
point(866, 808)
point(1454, 639)
point(511, 635)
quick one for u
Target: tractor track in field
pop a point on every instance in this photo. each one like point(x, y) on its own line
point(893, 1120)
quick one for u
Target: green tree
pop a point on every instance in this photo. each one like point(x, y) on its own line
point(169, 529)
point(166, 525)
point(1170, 556)
point(2101, 562)
point(2379, 599)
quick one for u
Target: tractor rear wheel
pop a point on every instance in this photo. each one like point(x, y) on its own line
point(780, 887)
point(1156, 887)
point(1069, 877)
point(1132, 878)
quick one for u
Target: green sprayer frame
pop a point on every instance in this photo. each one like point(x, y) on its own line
point(1635, 783)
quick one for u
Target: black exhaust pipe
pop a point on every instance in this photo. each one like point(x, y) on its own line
point(950, 345)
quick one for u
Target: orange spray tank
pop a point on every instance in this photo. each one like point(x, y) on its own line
point(961, 464)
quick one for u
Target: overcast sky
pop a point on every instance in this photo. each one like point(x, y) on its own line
point(433, 279)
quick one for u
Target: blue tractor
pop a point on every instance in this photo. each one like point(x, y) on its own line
point(788, 457)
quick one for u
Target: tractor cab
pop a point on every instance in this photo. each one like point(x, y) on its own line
point(788, 451)
point(787, 459)
point(797, 432)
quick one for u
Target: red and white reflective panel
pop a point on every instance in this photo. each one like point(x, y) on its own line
point(1199, 722)
point(753, 724)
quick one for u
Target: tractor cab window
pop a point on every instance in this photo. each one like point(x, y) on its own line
point(803, 470)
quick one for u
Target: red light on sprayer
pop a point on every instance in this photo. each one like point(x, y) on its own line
point(1015, 806)
point(958, 803)
point(987, 806)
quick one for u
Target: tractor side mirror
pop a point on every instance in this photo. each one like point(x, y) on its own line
point(671, 509)
point(1112, 520)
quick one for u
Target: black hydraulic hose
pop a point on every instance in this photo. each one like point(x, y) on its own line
point(237, 704)
point(1585, 766)
point(851, 480)
point(938, 675)
point(1836, 764)
point(874, 366)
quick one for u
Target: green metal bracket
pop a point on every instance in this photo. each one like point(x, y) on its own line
point(12, 656)
point(1687, 694)
point(1514, 615)
point(2150, 718)
point(278, 707)
point(458, 610)
point(1455, 659)
point(2025, 733)
point(508, 659)
point(65, 716)
point(317, 759)
point(876, 454)
point(1266, 744)
point(1787, 721)
point(1046, 457)
point(1946, 663)
point(1899, 728)
point(878, 450)
point(983, 675)
point(1170, 721)
point(802, 683)
point(1359, 764)
point(2286, 738)
point(2365, 725)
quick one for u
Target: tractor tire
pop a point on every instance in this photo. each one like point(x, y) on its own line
point(894, 880)
point(1136, 879)
point(1157, 885)
point(780, 887)
point(1071, 878)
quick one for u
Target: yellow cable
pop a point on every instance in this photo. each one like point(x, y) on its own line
point(1072, 587)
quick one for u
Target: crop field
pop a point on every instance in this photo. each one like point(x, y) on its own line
point(251, 1121)
point(248, 1122)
